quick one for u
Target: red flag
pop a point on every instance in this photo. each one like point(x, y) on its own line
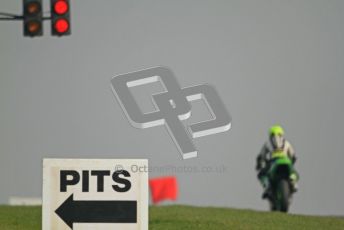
point(163, 188)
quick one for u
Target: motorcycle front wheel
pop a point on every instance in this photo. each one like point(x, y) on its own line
point(283, 195)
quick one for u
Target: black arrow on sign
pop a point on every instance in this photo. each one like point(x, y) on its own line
point(72, 211)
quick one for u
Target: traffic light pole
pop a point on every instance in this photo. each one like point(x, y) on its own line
point(17, 18)
point(10, 17)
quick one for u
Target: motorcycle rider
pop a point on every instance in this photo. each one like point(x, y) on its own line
point(274, 147)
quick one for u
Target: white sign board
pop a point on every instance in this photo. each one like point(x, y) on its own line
point(97, 194)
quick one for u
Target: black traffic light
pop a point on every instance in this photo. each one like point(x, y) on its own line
point(60, 17)
point(32, 18)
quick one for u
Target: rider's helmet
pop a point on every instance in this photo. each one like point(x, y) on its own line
point(276, 137)
point(276, 130)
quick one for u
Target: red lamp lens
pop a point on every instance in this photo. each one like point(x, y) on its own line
point(61, 7)
point(61, 26)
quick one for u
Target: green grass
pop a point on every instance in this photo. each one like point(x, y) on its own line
point(186, 217)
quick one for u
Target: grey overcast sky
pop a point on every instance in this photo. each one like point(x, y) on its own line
point(271, 61)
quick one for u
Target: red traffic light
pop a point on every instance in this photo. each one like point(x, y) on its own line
point(61, 25)
point(60, 17)
point(61, 7)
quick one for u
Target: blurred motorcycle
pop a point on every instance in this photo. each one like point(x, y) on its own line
point(281, 175)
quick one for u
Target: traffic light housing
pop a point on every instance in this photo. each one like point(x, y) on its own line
point(33, 18)
point(60, 17)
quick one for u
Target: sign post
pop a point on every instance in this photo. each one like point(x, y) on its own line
point(95, 194)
